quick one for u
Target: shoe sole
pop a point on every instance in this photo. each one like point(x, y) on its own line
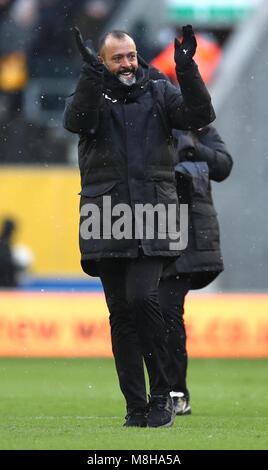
point(135, 425)
point(186, 412)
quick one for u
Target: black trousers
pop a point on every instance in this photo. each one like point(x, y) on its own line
point(138, 329)
point(172, 292)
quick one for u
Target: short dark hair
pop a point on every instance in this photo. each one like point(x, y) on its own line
point(115, 33)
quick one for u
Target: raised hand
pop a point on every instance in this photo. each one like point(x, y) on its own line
point(88, 54)
point(185, 50)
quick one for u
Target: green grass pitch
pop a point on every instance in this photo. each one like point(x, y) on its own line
point(76, 404)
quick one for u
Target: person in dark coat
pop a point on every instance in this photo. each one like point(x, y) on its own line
point(125, 121)
point(8, 268)
point(201, 156)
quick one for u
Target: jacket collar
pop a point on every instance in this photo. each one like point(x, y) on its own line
point(121, 92)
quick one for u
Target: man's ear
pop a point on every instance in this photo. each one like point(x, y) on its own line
point(101, 59)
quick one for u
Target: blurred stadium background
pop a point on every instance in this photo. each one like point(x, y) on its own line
point(54, 310)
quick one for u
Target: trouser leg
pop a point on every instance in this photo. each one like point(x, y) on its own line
point(172, 292)
point(142, 281)
point(125, 342)
point(137, 326)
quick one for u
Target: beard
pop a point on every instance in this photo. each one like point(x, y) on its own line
point(129, 81)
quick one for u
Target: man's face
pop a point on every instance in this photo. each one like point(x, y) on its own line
point(120, 57)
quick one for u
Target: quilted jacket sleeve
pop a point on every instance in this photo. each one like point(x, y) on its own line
point(190, 106)
point(81, 114)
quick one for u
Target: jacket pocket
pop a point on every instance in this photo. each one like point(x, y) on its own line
point(168, 219)
point(96, 203)
point(97, 189)
point(166, 193)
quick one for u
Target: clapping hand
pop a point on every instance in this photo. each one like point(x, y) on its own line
point(185, 50)
point(88, 54)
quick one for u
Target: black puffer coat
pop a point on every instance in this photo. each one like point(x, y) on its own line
point(209, 156)
point(125, 148)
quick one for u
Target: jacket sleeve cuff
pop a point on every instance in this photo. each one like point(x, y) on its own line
point(92, 71)
point(205, 154)
point(186, 71)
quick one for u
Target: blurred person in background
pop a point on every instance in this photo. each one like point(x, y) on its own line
point(51, 51)
point(124, 121)
point(31, 33)
point(142, 38)
point(201, 157)
point(15, 259)
point(8, 268)
point(93, 17)
point(207, 57)
point(17, 20)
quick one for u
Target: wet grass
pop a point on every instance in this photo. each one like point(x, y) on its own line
point(76, 404)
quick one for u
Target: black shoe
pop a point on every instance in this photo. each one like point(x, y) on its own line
point(181, 405)
point(137, 418)
point(161, 411)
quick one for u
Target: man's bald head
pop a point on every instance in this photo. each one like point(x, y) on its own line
point(115, 34)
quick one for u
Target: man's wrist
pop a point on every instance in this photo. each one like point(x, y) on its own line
point(90, 69)
point(186, 68)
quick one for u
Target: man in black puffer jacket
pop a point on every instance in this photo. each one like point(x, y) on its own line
point(201, 157)
point(124, 121)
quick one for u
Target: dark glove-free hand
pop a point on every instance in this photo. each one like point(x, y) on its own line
point(185, 50)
